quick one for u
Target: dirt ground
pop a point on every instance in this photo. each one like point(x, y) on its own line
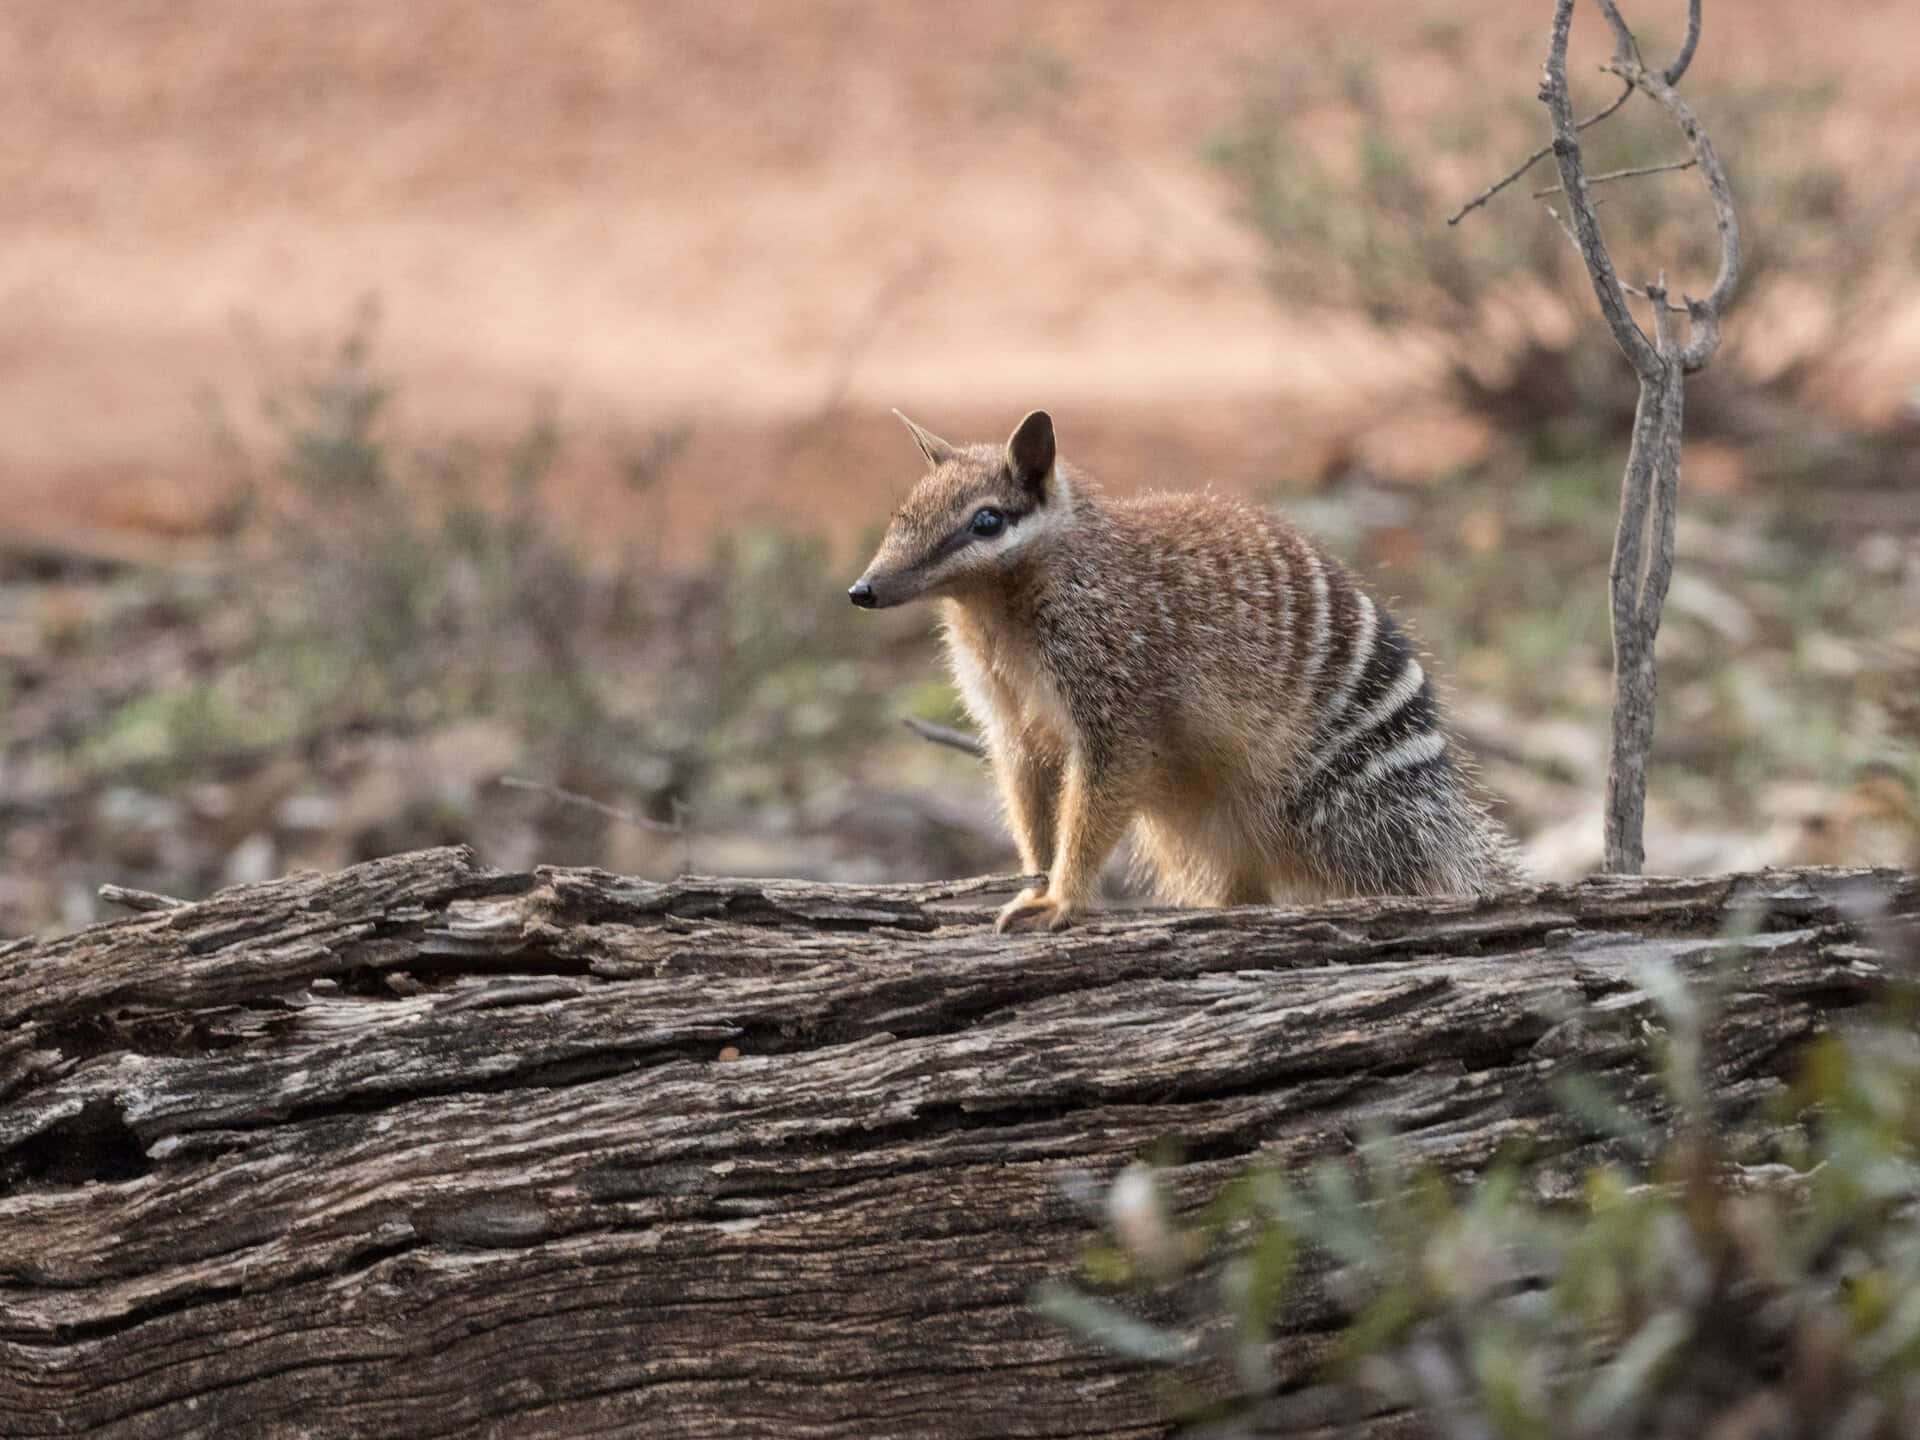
point(743, 217)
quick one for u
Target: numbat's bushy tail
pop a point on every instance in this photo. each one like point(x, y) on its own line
point(1189, 663)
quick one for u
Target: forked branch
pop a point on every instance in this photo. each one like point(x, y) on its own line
point(1643, 545)
point(1534, 159)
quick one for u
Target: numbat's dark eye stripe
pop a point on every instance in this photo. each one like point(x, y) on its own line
point(998, 521)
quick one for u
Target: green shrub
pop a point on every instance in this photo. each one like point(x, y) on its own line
point(1683, 1293)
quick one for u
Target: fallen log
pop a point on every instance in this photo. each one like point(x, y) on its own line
point(421, 1148)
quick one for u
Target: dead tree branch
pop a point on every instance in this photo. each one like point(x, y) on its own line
point(598, 807)
point(127, 898)
point(1643, 545)
point(421, 1148)
point(1637, 291)
point(1534, 159)
point(946, 735)
point(1681, 61)
point(1622, 175)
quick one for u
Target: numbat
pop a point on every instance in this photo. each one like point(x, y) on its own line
point(1189, 663)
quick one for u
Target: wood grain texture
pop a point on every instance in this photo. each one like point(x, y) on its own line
point(423, 1149)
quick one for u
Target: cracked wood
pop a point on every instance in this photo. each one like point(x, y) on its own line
point(423, 1148)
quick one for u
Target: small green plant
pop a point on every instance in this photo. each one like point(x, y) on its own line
point(440, 581)
point(431, 610)
point(1705, 1283)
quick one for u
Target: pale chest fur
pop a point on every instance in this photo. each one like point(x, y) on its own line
point(1002, 680)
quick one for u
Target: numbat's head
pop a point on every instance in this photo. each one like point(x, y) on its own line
point(971, 515)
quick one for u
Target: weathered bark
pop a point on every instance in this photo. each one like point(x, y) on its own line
point(421, 1149)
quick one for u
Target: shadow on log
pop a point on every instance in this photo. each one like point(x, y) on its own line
point(421, 1149)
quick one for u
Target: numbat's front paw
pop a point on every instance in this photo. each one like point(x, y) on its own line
point(1030, 910)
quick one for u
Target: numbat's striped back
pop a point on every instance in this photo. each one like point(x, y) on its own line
point(1189, 664)
point(1380, 797)
point(1331, 770)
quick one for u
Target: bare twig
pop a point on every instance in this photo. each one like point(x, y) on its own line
point(1645, 292)
point(942, 735)
point(1534, 159)
point(128, 898)
point(1681, 61)
point(1625, 47)
point(600, 807)
point(1637, 291)
point(1586, 226)
point(860, 337)
point(1622, 175)
point(1704, 315)
point(1643, 545)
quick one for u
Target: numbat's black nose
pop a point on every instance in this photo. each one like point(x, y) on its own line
point(861, 594)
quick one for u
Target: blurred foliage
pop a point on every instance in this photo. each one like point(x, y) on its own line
point(1350, 183)
point(1738, 1284)
point(426, 589)
point(392, 627)
point(445, 584)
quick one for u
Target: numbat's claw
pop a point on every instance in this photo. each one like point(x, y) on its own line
point(1031, 910)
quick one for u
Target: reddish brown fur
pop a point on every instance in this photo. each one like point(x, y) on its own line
point(1190, 663)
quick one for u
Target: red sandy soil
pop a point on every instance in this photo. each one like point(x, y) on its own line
point(767, 219)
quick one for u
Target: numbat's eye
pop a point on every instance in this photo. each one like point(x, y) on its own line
point(987, 521)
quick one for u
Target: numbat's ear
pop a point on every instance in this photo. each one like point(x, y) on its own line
point(931, 445)
point(1030, 454)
